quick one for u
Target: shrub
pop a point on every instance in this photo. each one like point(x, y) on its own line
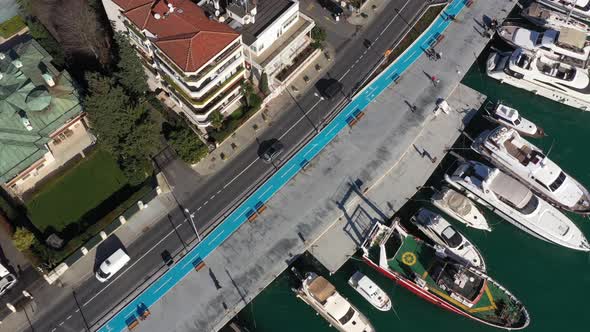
point(23, 239)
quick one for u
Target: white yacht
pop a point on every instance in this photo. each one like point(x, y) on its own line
point(446, 236)
point(321, 295)
point(550, 19)
point(514, 202)
point(566, 45)
point(459, 207)
point(370, 291)
point(576, 8)
point(543, 76)
point(506, 149)
point(509, 117)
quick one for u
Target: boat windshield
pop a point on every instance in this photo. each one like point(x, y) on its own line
point(347, 316)
point(530, 206)
point(517, 120)
point(451, 237)
point(558, 182)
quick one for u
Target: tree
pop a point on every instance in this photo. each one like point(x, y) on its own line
point(184, 141)
point(129, 70)
point(127, 131)
point(264, 84)
point(23, 239)
point(247, 90)
point(318, 34)
point(216, 119)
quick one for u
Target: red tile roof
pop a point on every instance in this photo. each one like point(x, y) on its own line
point(186, 35)
point(129, 4)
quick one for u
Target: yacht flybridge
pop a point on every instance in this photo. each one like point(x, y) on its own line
point(566, 45)
point(550, 19)
point(506, 149)
point(575, 8)
point(541, 75)
point(514, 202)
point(459, 207)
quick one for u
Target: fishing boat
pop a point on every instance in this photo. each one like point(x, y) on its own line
point(509, 117)
point(370, 291)
point(507, 150)
point(566, 45)
point(459, 207)
point(437, 229)
point(518, 205)
point(541, 75)
point(442, 280)
point(575, 8)
point(550, 19)
point(322, 296)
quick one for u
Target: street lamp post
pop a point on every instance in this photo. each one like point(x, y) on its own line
point(191, 217)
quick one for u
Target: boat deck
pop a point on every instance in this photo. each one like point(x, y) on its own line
point(413, 256)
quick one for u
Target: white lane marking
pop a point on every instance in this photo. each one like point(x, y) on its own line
point(200, 207)
point(287, 171)
point(76, 310)
point(310, 151)
point(53, 329)
point(218, 191)
point(132, 265)
point(129, 314)
point(346, 73)
point(242, 172)
point(205, 203)
point(216, 237)
point(164, 284)
point(376, 39)
point(62, 323)
point(70, 316)
point(264, 193)
point(300, 119)
point(212, 197)
point(331, 130)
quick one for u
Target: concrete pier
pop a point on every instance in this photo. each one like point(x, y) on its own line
point(370, 158)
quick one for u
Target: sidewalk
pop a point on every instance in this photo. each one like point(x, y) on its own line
point(253, 127)
point(134, 228)
point(367, 13)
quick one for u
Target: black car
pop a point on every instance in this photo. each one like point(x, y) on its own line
point(332, 89)
point(332, 6)
point(167, 257)
point(272, 151)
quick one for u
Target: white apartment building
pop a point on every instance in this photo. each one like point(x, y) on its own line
point(276, 36)
point(198, 62)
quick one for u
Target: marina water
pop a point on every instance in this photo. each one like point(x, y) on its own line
point(552, 282)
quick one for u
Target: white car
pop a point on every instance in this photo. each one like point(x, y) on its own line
point(7, 280)
point(112, 265)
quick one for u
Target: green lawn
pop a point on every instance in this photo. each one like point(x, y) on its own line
point(11, 26)
point(80, 189)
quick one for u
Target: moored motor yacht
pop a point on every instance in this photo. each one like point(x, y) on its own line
point(368, 289)
point(518, 205)
point(547, 18)
point(507, 150)
point(576, 8)
point(459, 207)
point(437, 229)
point(541, 75)
point(566, 45)
point(322, 296)
point(440, 279)
point(509, 117)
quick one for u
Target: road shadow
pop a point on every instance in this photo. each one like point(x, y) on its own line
point(106, 248)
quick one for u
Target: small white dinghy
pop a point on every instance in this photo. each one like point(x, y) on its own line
point(509, 117)
point(460, 207)
point(370, 291)
point(448, 238)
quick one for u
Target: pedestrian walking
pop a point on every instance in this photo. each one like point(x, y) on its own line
point(435, 80)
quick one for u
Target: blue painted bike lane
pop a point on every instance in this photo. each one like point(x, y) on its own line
point(351, 113)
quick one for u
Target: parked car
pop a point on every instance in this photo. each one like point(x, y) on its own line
point(112, 265)
point(167, 257)
point(7, 280)
point(333, 8)
point(272, 151)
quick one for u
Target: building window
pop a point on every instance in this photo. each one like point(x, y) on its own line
point(39, 167)
point(289, 21)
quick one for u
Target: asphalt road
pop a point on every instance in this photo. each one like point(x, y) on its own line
point(212, 198)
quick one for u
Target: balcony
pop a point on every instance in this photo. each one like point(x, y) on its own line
point(196, 105)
